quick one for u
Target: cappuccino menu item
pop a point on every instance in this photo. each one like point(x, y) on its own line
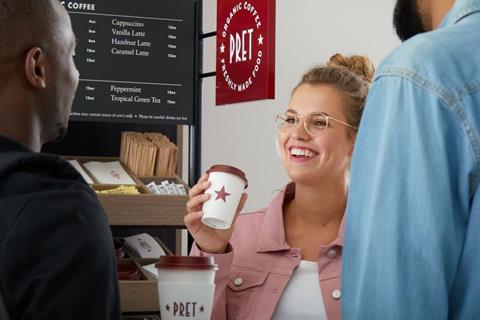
point(136, 60)
point(227, 186)
point(186, 287)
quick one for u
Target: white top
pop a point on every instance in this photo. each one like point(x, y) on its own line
point(302, 298)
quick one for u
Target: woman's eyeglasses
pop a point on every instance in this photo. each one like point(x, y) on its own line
point(315, 123)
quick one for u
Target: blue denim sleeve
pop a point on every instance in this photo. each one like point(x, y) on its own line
point(408, 206)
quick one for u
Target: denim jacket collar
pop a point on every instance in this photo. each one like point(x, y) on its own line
point(460, 10)
point(272, 233)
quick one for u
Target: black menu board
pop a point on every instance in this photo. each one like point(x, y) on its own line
point(136, 60)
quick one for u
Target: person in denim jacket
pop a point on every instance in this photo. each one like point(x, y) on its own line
point(284, 261)
point(412, 246)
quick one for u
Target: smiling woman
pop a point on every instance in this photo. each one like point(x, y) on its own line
point(284, 261)
point(329, 102)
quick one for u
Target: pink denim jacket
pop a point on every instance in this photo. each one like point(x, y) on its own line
point(254, 273)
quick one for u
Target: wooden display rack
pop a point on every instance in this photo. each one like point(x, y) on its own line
point(140, 295)
point(144, 209)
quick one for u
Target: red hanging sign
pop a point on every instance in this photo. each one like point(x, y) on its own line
point(245, 50)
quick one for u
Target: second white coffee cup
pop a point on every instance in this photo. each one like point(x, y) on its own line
point(227, 186)
point(186, 287)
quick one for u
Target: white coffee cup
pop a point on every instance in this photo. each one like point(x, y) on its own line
point(227, 186)
point(186, 287)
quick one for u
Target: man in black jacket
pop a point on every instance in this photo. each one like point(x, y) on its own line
point(56, 254)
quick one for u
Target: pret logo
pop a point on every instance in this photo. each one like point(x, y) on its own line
point(245, 50)
point(185, 309)
point(243, 45)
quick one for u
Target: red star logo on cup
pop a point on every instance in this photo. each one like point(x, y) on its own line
point(221, 194)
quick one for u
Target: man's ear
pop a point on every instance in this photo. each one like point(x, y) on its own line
point(35, 69)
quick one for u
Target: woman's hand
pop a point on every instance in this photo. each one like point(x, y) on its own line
point(207, 239)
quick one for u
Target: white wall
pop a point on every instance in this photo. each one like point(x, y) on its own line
point(308, 32)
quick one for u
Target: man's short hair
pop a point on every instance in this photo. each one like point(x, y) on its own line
point(23, 25)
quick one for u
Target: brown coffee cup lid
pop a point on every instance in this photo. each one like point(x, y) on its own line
point(186, 263)
point(229, 169)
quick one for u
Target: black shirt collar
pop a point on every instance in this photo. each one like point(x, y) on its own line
point(8, 145)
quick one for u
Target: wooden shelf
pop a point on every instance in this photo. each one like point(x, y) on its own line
point(144, 209)
point(138, 295)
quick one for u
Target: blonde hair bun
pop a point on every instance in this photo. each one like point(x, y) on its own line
point(359, 65)
point(351, 75)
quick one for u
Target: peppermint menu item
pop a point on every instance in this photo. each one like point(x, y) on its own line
point(136, 60)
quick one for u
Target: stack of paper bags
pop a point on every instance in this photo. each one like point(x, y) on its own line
point(149, 154)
